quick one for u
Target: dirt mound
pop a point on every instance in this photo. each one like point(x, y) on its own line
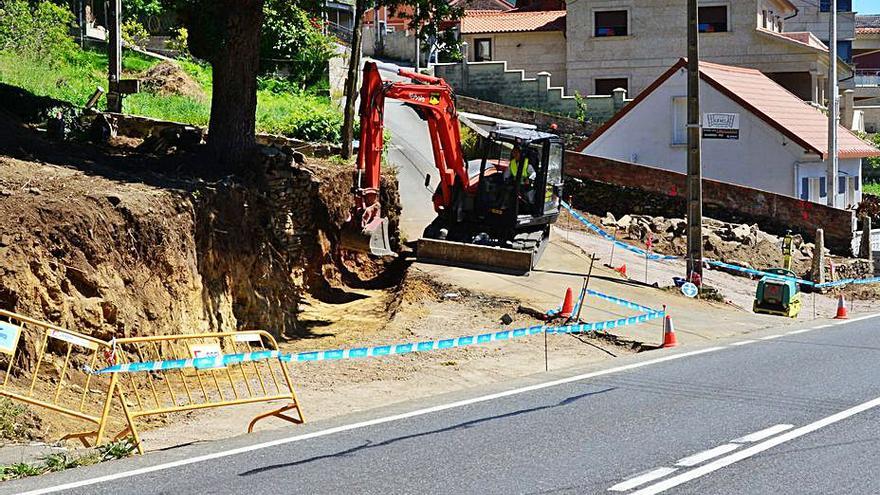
point(115, 251)
point(168, 78)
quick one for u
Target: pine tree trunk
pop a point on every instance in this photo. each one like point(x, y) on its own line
point(231, 133)
point(351, 81)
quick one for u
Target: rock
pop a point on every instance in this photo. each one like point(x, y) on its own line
point(452, 296)
point(34, 191)
point(5, 192)
point(624, 221)
point(712, 242)
point(609, 220)
point(741, 233)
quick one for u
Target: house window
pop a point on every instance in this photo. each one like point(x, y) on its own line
point(713, 19)
point(813, 189)
point(764, 19)
point(679, 120)
point(607, 86)
point(482, 49)
point(844, 50)
point(847, 185)
point(611, 23)
point(842, 5)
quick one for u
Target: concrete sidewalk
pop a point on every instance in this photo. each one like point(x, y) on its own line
point(564, 265)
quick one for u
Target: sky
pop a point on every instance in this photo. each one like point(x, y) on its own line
point(867, 6)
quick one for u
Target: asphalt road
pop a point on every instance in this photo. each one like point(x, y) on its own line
point(693, 420)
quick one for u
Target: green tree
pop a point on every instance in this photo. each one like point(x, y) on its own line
point(294, 36)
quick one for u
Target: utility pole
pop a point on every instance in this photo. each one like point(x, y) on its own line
point(831, 166)
point(418, 46)
point(694, 172)
point(114, 95)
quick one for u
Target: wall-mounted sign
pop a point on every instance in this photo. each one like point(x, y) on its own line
point(201, 351)
point(9, 335)
point(720, 126)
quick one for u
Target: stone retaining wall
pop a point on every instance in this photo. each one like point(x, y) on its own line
point(623, 187)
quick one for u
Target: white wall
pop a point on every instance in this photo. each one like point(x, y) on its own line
point(762, 157)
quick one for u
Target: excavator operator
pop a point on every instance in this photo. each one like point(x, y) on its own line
point(516, 161)
point(520, 160)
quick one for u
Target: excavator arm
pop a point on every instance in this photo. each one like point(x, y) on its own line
point(368, 230)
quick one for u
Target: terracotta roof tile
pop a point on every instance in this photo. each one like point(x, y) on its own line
point(783, 110)
point(801, 122)
point(868, 30)
point(475, 22)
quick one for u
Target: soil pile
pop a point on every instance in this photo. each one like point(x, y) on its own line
point(168, 78)
point(124, 251)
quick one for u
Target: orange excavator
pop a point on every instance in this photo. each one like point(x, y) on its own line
point(493, 213)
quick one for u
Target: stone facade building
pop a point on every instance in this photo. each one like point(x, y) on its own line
point(629, 43)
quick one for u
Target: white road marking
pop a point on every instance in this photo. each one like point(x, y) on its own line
point(641, 480)
point(823, 326)
point(363, 424)
point(757, 449)
point(771, 337)
point(744, 342)
point(765, 433)
point(705, 455)
point(795, 332)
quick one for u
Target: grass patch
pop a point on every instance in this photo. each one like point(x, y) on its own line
point(17, 422)
point(281, 108)
point(872, 188)
point(62, 460)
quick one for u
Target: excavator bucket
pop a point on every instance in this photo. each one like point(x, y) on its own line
point(372, 239)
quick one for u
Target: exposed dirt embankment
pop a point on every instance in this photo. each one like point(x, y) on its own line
point(96, 242)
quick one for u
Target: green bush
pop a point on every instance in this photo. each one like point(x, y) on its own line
point(180, 42)
point(133, 10)
point(134, 33)
point(302, 116)
point(39, 30)
point(874, 162)
point(291, 38)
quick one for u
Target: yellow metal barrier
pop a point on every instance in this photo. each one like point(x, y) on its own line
point(147, 393)
point(43, 365)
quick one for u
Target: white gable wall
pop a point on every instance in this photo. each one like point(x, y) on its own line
point(762, 157)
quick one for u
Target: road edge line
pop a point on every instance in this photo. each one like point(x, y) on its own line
point(364, 424)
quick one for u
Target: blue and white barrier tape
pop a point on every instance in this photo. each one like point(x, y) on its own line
point(574, 310)
point(397, 349)
point(595, 228)
point(825, 285)
point(651, 256)
point(197, 363)
point(758, 273)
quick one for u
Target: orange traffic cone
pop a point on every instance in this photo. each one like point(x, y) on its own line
point(669, 339)
point(622, 270)
point(567, 304)
point(841, 309)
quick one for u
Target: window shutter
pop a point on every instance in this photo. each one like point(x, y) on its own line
point(822, 191)
point(805, 188)
point(841, 185)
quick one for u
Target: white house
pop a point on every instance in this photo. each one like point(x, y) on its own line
point(755, 133)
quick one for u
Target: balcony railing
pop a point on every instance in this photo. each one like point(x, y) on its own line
point(867, 77)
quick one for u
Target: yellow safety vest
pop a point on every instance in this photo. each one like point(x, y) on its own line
point(514, 168)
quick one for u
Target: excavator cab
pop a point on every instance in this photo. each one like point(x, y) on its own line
point(502, 220)
point(519, 182)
